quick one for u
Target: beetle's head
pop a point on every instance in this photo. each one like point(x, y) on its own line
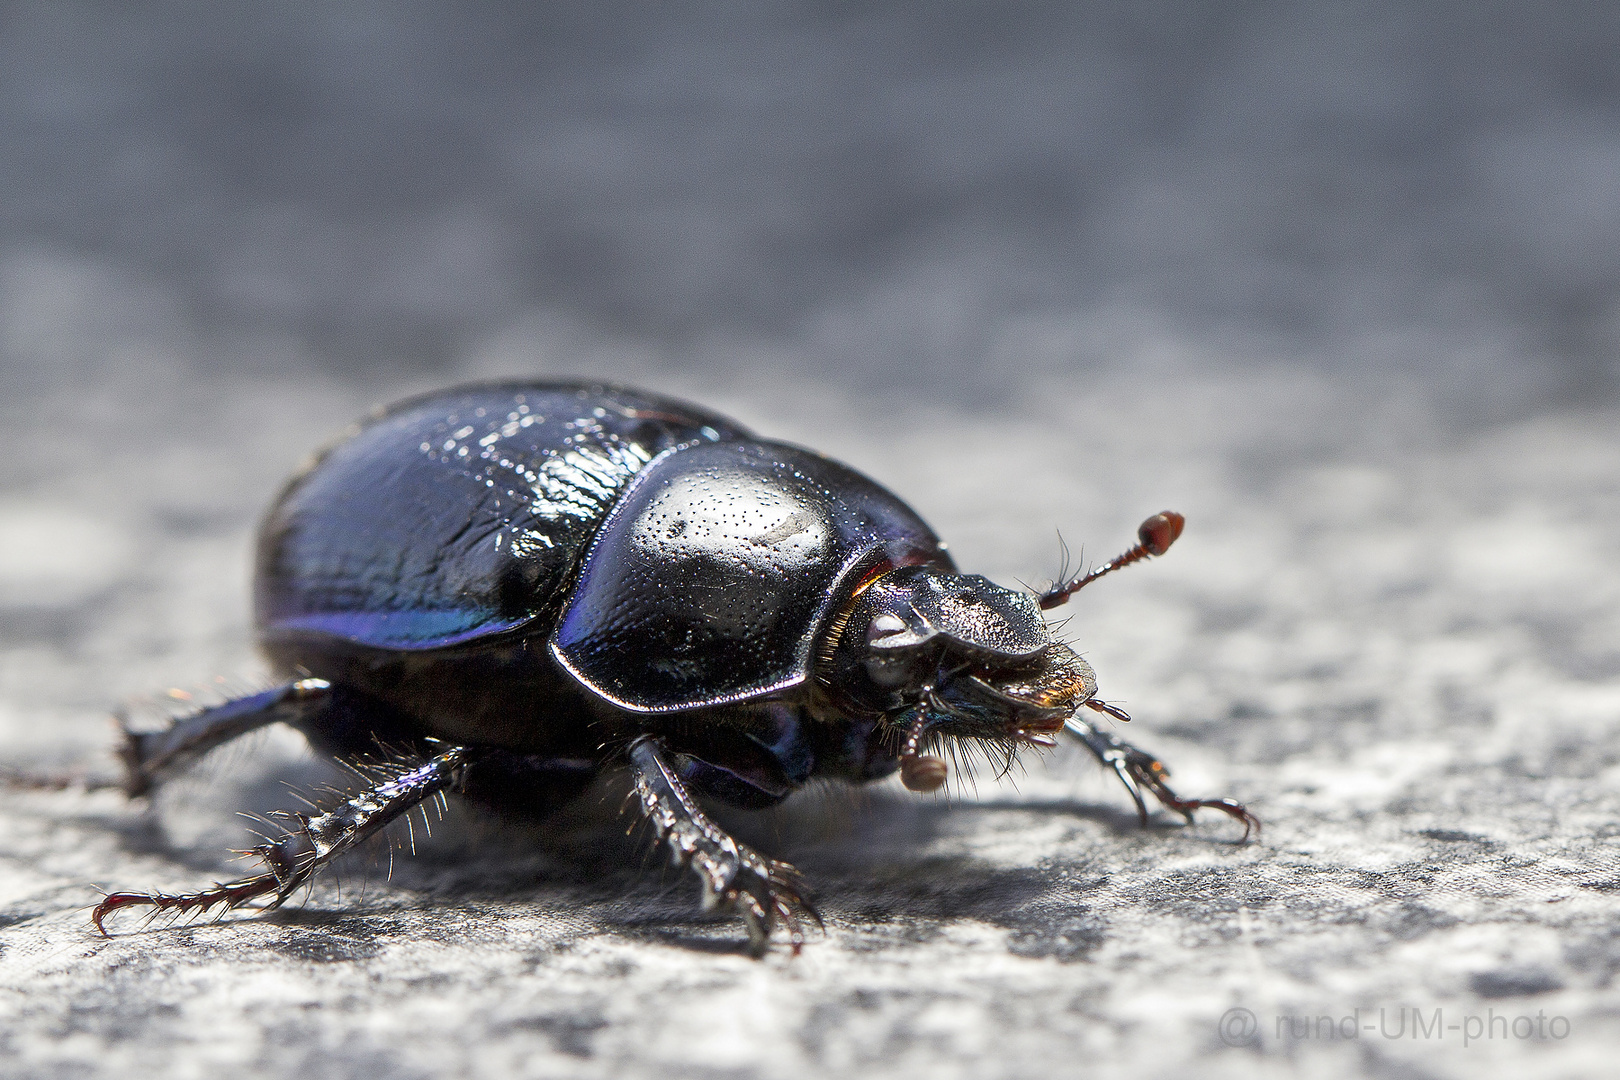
point(946, 657)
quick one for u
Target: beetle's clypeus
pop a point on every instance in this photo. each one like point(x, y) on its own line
point(516, 587)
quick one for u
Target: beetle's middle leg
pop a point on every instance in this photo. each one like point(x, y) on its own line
point(1138, 769)
point(734, 875)
point(315, 841)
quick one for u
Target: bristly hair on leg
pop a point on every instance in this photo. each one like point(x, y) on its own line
point(292, 860)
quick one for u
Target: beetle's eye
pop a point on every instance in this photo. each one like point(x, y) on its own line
point(885, 626)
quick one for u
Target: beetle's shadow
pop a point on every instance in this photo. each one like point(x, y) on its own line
point(870, 857)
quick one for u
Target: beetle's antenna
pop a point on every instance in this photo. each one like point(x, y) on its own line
point(1154, 537)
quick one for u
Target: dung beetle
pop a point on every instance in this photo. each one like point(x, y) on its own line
point(515, 587)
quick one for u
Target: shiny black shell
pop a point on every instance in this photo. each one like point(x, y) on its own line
point(714, 573)
point(459, 514)
point(489, 559)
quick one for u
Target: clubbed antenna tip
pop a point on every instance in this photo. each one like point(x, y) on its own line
point(1154, 537)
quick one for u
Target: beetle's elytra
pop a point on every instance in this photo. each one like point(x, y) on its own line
point(517, 586)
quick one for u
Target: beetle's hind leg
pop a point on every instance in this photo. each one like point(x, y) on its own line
point(150, 757)
point(1138, 769)
point(734, 875)
point(315, 841)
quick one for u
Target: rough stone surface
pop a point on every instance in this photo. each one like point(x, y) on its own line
point(1402, 655)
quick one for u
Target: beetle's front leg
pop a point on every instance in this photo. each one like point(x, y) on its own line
point(734, 875)
point(1138, 769)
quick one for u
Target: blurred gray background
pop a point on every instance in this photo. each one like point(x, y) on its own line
point(882, 192)
point(1340, 282)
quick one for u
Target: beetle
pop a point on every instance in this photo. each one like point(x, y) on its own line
point(515, 587)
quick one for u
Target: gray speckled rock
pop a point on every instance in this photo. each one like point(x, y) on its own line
point(1398, 646)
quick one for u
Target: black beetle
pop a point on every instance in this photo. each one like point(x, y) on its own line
point(515, 587)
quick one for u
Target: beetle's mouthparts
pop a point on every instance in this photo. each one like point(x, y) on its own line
point(1025, 705)
point(1044, 737)
point(920, 772)
point(1054, 689)
point(924, 773)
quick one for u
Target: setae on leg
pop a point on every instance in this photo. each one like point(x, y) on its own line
point(1138, 769)
point(734, 876)
point(294, 859)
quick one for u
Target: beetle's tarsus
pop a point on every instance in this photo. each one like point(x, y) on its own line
point(1122, 769)
point(1137, 769)
point(294, 858)
point(1151, 773)
point(735, 877)
point(231, 895)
